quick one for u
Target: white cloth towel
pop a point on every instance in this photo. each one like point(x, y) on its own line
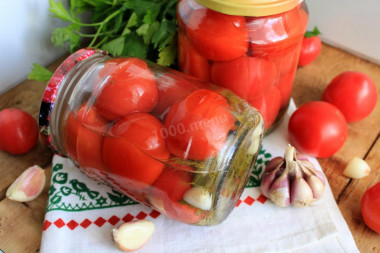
point(81, 214)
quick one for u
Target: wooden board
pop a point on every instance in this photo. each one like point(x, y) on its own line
point(21, 224)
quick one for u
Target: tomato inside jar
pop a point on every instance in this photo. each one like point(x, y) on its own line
point(250, 48)
point(161, 137)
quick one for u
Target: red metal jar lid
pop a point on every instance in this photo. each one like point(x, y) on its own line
point(51, 90)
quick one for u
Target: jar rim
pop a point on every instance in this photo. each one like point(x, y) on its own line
point(254, 8)
point(51, 90)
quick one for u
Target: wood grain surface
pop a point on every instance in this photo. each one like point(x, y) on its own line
point(21, 223)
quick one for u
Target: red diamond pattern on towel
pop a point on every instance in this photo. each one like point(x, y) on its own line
point(249, 200)
point(128, 217)
point(154, 214)
point(141, 215)
point(72, 224)
point(238, 203)
point(113, 220)
point(262, 199)
point(46, 225)
point(85, 223)
point(59, 223)
point(100, 221)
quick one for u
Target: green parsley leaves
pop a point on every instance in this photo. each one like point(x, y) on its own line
point(140, 28)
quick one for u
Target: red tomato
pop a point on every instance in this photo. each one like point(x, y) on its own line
point(88, 123)
point(134, 147)
point(90, 138)
point(268, 105)
point(248, 77)
point(70, 135)
point(184, 9)
point(197, 126)
point(354, 94)
point(217, 36)
point(171, 88)
point(284, 83)
point(18, 131)
point(310, 49)
point(184, 212)
point(276, 34)
point(190, 60)
point(173, 183)
point(318, 128)
point(131, 87)
point(371, 208)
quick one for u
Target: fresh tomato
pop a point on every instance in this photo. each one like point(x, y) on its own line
point(268, 105)
point(276, 34)
point(318, 128)
point(248, 77)
point(190, 60)
point(311, 47)
point(217, 36)
point(135, 149)
point(130, 87)
point(371, 208)
point(197, 127)
point(354, 93)
point(18, 131)
point(171, 88)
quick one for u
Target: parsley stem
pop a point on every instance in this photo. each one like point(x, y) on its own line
point(102, 24)
point(101, 42)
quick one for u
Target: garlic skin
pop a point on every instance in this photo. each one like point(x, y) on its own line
point(28, 185)
point(292, 180)
point(357, 168)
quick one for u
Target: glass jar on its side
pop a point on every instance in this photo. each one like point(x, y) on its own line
point(249, 47)
point(164, 138)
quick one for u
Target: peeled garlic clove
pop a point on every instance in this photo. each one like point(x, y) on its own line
point(133, 235)
point(198, 197)
point(256, 138)
point(357, 168)
point(316, 186)
point(279, 192)
point(301, 193)
point(28, 185)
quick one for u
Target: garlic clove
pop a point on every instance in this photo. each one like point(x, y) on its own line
point(157, 204)
point(301, 193)
point(279, 192)
point(133, 235)
point(274, 164)
point(357, 168)
point(198, 197)
point(316, 186)
point(256, 140)
point(28, 185)
point(266, 182)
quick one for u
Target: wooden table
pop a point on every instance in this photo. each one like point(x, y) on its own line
point(21, 223)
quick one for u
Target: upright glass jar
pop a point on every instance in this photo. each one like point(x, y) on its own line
point(250, 47)
point(164, 138)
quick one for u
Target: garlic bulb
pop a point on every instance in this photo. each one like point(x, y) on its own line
point(292, 180)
